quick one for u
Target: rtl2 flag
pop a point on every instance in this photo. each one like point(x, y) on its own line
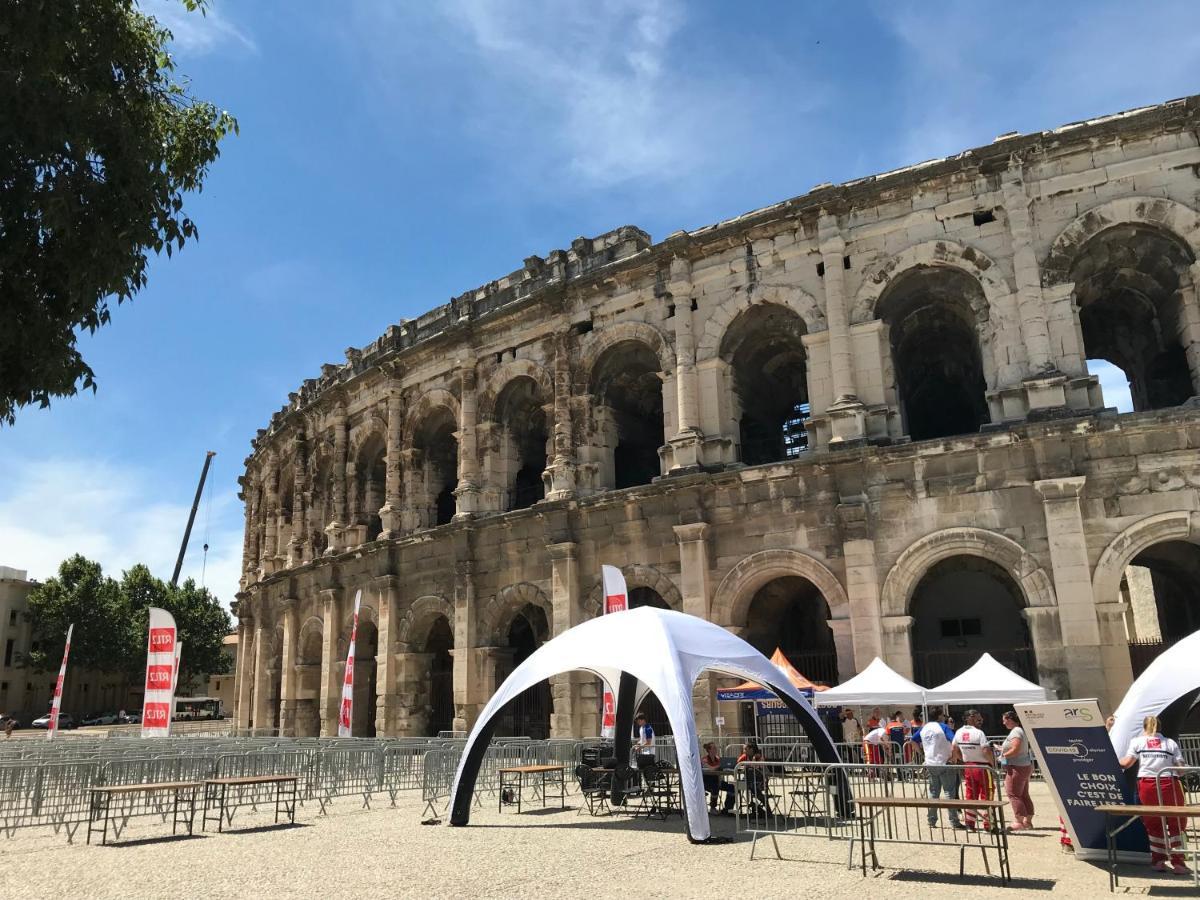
point(346, 710)
point(174, 683)
point(616, 599)
point(160, 674)
point(56, 703)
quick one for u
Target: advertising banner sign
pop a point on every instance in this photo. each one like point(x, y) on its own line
point(160, 674)
point(346, 709)
point(56, 703)
point(616, 599)
point(1078, 762)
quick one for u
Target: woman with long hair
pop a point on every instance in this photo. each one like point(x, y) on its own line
point(1155, 756)
point(1018, 767)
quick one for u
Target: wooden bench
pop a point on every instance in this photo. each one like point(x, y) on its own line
point(101, 802)
point(215, 791)
point(1131, 813)
point(516, 779)
point(872, 807)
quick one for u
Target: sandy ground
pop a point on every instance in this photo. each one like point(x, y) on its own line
point(386, 852)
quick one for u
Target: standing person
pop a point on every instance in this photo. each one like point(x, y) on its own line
point(714, 784)
point(914, 738)
point(1155, 755)
point(643, 739)
point(851, 730)
point(936, 739)
point(897, 729)
point(971, 746)
point(874, 719)
point(1018, 767)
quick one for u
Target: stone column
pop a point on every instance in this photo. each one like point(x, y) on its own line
point(1114, 648)
point(270, 514)
point(862, 588)
point(297, 552)
point(1034, 334)
point(847, 417)
point(570, 715)
point(897, 644)
point(1046, 635)
point(338, 480)
point(466, 495)
point(1073, 585)
point(686, 445)
point(331, 688)
point(412, 694)
point(387, 588)
point(560, 473)
point(245, 668)
point(843, 643)
point(390, 514)
point(1189, 325)
point(696, 590)
point(262, 676)
point(249, 496)
point(287, 678)
point(469, 696)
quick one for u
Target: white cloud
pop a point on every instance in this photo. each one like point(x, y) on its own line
point(197, 34)
point(1114, 386)
point(53, 508)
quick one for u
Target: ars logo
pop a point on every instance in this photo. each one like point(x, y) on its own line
point(1081, 713)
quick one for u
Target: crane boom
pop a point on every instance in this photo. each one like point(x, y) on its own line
point(187, 532)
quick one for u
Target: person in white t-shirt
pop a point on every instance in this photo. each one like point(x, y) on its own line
point(874, 742)
point(971, 746)
point(1155, 756)
point(935, 739)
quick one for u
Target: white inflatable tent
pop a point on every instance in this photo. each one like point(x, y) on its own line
point(666, 651)
point(987, 681)
point(877, 683)
point(1173, 676)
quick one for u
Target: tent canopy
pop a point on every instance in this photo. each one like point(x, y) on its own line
point(749, 690)
point(666, 651)
point(987, 682)
point(1171, 677)
point(877, 683)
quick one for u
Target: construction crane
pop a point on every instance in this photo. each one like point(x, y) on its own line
point(187, 532)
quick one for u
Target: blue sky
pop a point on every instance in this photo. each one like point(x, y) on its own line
point(395, 154)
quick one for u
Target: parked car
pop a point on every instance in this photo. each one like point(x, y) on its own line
point(133, 718)
point(101, 719)
point(64, 721)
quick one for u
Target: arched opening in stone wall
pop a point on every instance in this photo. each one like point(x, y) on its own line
point(962, 607)
point(523, 441)
point(791, 614)
point(441, 678)
point(1128, 290)
point(527, 714)
point(1161, 589)
point(1114, 384)
point(370, 477)
point(932, 322)
point(366, 645)
point(770, 382)
point(308, 685)
point(437, 444)
point(321, 510)
point(627, 391)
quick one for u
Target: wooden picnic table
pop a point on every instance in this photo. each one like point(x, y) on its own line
point(101, 802)
point(545, 776)
point(215, 790)
point(1131, 813)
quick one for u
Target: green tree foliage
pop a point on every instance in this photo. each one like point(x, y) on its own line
point(111, 620)
point(99, 142)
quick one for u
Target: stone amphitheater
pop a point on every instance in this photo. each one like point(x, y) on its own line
point(857, 423)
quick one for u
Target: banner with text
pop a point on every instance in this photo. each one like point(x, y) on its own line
point(160, 674)
point(346, 709)
point(56, 702)
point(1078, 762)
point(174, 683)
point(616, 599)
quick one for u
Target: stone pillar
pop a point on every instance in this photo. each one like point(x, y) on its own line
point(338, 479)
point(1189, 325)
point(570, 715)
point(847, 417)
point(560, 473)
point(1046, 636)
point(843, 642)
point(296, 551)
point(245, 669)
point(686, 445)
point(696, 590)
point(270, 514)
point(249, 495)
point(412, 694)
point(386, 725)
point(1073, 585)
point(390, 514)
point(331, 687)
point(466, 495)
point(1035, 336)
point(862, 588)
point(287, 678)
point(262, 677)
point(897, 644)
point(469, 694)
point(1114, 648)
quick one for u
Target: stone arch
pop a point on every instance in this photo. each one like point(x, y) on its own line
point(639, 332)
point(996, 289)
point(508, 372)
point(313, 625)
point(793, 298)
point(428, 403)
point(366, 613)
point(917, 559)
point(1171, 216)
point(414, 625)
point(636, 576)
point(372, 425)
point(1121, 550)
point(500, 610)
point(731, 602)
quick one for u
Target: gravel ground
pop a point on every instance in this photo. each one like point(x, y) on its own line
point(385, 852)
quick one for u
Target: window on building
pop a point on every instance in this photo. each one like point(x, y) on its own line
point(8, 652)
point(12, 617)
point(3, 687)
point(952, 628)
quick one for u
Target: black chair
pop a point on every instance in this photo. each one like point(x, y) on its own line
point(626, 786)
point(660, 795)
point(594, 787)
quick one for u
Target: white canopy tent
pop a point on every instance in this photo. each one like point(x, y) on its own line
point(1173, 676)
point(664, 650)
point(987, 681)
point(877, 683)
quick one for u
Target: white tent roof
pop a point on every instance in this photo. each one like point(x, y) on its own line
point(987, 682)
point(877, 683)
point(666, 651)
point(1172, 675)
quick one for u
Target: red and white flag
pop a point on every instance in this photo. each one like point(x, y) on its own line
point(616, 599)
point(56, 703)
point(346, 710)
point(160, 674)
point(174, 682)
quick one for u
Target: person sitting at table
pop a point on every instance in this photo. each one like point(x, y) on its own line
point(1155, 756)
point(756, 777)
point(714, 784)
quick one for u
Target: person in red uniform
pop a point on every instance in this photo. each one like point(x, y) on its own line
point(971, 746)
point(1155, 756)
